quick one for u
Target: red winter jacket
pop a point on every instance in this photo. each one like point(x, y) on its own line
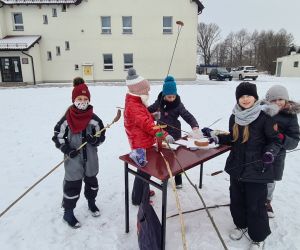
point(138, 123)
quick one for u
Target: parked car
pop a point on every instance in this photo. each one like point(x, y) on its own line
point(243, 72)
point(219, 74)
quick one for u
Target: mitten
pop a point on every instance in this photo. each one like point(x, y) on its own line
point(169, 139)
point(281, 137)
point(91, 139)
point(206, 131)
point(213, 139)
point(73, 153)
point(139, 156)
point(156, 115)
point(268, 158)
point(196, 133)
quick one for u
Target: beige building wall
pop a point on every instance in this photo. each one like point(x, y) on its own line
point(2, 24)
point(81, 26)
point(288, 64)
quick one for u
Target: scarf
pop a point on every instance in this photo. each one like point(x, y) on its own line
point(165, 105)
point(244, 117)
point(79, 119)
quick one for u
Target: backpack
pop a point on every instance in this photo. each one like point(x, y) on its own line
point(148, 224)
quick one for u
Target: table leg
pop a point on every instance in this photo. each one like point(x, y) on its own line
point(164, 214)
point(201, 175)
point(126, 198)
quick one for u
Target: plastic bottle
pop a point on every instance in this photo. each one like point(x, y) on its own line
point(159, 140)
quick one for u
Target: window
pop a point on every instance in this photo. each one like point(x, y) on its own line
point(45, 19)
point(49, 56)
point(128, 61)
point(76, 67)
point(167, 24)
point(64, 8)
point(57, 50)
point(108, 62)
point(18, 21)
point(54, 12)
point(67, 45)
point(106, 26)
point(296, 64)
point(127, 24)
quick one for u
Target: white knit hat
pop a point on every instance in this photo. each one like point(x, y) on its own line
point(136, 84)
point(277, 92)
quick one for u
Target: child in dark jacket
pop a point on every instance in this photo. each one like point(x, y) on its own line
point(77, 126)
point(255, 143)
point(288, 128)
point(169, 107)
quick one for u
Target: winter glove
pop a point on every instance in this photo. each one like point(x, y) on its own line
point(139, 157)
point(196, 133)
point(91, 139)
point(73, 153)
point(206, 131)
point(281, 137)
point(70, 152)
point(214, 139)
point(169, 139)
point(156, 115)
point(268, 158)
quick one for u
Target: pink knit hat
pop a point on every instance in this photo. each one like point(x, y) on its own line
point(136, 84)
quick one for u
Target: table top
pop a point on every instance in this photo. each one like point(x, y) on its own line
point(187, 158)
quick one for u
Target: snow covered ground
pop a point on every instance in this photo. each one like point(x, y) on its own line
point(27, 153)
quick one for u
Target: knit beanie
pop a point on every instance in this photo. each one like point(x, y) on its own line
point(169, 87)
point(81, 89)
point(246, 88)
point(277, 92)
point(136, 84)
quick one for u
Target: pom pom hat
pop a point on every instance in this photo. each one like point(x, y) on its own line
point(81, 89)
point(136, 84)
point(169, 87)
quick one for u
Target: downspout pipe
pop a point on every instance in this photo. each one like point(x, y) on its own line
point(32, 65)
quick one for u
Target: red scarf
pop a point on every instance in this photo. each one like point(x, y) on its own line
point(79, 119)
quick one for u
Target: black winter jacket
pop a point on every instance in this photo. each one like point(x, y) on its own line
point(287, 122)
point(170, 112)
point(244, 162)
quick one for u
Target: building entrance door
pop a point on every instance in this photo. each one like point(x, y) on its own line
point(279, 65)
point(11, 69)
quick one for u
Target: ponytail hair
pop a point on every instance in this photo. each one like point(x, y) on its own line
point(235, 133)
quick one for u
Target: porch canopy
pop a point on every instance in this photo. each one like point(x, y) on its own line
point(21, 43)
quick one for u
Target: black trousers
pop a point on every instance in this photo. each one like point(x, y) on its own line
point(138, 187)
point(248, 209)
point(72, 191)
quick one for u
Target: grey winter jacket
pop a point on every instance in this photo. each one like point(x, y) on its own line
point(170, 112)
point(86, 163)
point(287, 123)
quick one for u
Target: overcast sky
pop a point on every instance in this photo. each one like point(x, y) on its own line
point(233, 15)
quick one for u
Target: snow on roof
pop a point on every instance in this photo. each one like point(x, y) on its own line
point(18, 42)
point(41, 1)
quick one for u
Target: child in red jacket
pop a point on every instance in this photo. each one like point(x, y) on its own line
point(139, 124)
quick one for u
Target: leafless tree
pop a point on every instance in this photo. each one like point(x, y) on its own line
point(208, 36)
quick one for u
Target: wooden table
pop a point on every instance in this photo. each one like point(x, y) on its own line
point(156, 167)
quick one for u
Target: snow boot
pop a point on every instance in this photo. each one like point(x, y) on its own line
point(257, 245)
point(270, 209)
point(70, 219)
point(93, 208)
point(237, 233)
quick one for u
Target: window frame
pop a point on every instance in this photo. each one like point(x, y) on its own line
point(49, 56)
point(127, 29)
point(106, 30)
point(108, 66)
point(15, 25)
point(54, 12)
point(167, 29)
point(127, 65)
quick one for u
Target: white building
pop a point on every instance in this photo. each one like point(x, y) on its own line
point(288, 65)
point(56, 40)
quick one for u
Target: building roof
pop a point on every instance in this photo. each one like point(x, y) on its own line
point(26, 2)
point(200, 6)
point(18, 42)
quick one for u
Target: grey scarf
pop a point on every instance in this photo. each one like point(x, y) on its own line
point(246, 116)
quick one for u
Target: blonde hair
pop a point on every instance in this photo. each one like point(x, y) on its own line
point(235, 133)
